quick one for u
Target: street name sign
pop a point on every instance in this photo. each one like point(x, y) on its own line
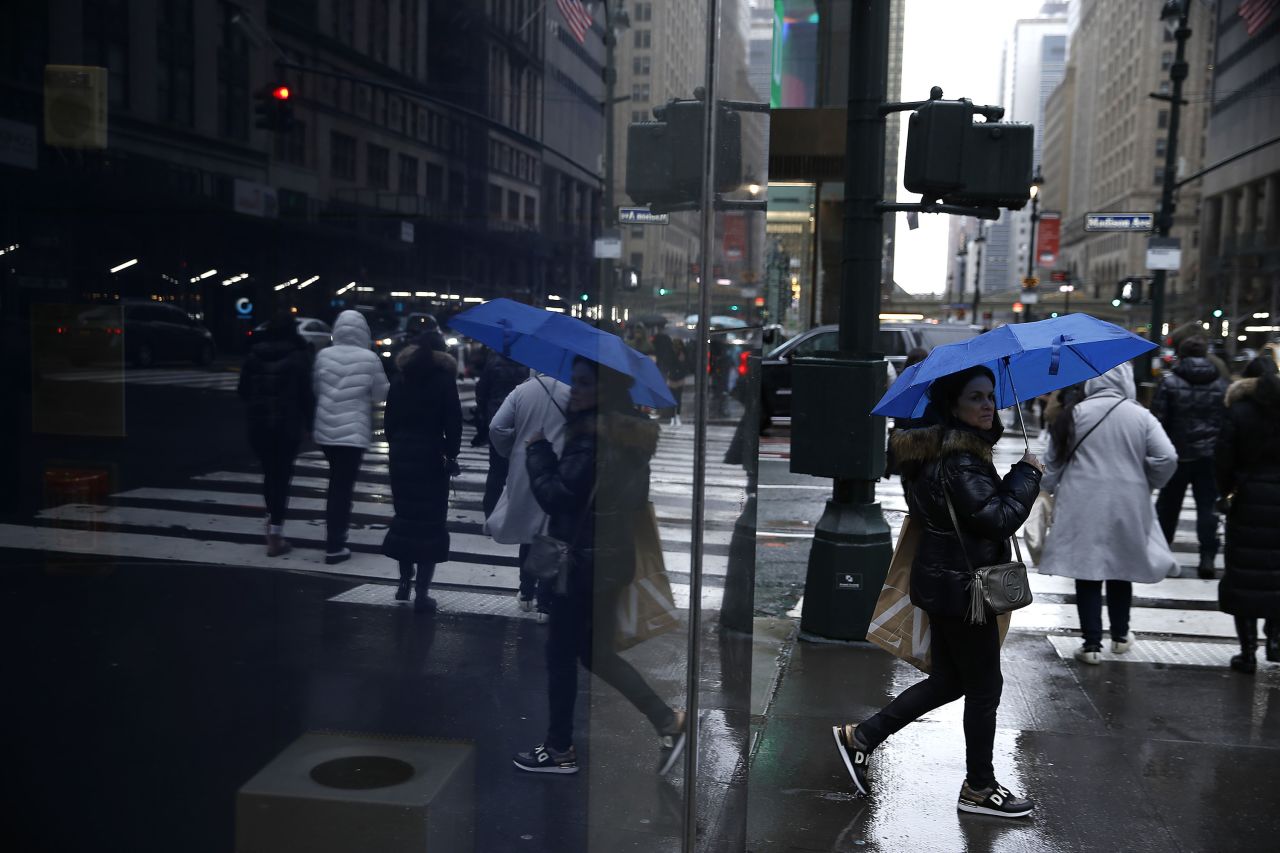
point(1164, 253)
point(1119, 221)
point(641, 216)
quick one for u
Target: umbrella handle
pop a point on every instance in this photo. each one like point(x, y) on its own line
point(1017, 404)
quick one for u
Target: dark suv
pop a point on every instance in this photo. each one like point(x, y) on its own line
point(147, 333)
point(896, 340)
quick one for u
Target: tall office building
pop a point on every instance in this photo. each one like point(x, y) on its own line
point(1240, 216)
point(1109, 138)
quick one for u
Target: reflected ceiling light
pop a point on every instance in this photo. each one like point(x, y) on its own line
point(125, 265)
point(473, 299)
point(423, 293)
point(203, 275)
point(346, 287)
point(308, 282)
point(555, 309)
point(400, 294)
point(282, 285)
point(554, 298)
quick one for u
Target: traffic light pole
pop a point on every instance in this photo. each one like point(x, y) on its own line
point(1031, 256)
point(608, 221)
point(977, 274)
point(1164, 218)
point(852, 544)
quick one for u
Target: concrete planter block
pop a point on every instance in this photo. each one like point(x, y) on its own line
point(330, 792)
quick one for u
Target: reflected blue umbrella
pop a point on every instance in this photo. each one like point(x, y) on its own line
point(1027, 359)
point(548, 342)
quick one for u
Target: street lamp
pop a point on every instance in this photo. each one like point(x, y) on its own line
point(977, 271)
point(1067, 289)
point(962, 255)
point(1037, 181)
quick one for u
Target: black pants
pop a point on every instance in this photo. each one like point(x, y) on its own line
point(276, 453)
point(965, 662)
point(344, 465)
point(1089, 609)
point(1198, 474)
point(574, 635)
point(528, 583)
point(494, 481)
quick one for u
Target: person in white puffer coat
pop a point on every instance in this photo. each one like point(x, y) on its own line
point(349, 381)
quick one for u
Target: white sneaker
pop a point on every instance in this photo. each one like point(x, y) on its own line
point(1121, 646)
point(1089, 655)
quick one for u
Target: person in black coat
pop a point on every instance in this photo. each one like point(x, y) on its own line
point(275, 382)
point(953, 458)
point(1188, 404)
point(592, 494)
point(498, 379)
point(424, 428)
point(1247, 466)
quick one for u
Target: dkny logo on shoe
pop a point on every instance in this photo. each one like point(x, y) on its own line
point(859, 758)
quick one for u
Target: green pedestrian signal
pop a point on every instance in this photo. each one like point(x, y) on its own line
point(1217, 313)
point(584, 297)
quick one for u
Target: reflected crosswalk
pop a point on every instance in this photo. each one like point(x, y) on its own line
point(217, 518)
point(212, 380)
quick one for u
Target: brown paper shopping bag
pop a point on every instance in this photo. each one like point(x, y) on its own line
point(897, 625)
point(646, 607)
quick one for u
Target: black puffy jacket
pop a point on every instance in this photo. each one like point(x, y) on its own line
point(1188, 405)
point(611, 453)
point(275, 382)
point(424, 428)
point(498, 379)
point(990, 510)
point(1247, 463)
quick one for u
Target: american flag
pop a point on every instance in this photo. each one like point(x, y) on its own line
point(577, 17)
point(1256, 13)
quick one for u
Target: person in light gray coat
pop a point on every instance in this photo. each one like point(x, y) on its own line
point(1104, 523)
point(537, 406)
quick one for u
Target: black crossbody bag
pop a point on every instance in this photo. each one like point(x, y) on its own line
point(1002, 588)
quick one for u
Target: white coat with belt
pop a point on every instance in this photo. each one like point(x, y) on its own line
point(535, 406)
point(1104, 521)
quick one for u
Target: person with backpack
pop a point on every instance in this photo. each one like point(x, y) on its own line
point(1188, 403)
point(275, 383)
point(1106, 454)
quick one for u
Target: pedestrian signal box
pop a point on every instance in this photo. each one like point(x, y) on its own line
point(664, 159)
point(955, 160)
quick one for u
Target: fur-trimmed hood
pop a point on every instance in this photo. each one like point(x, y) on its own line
point(928, 444)
point(1265, 391)
point(414, 358)
point(619, 429)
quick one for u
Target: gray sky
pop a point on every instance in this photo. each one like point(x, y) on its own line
point(956, 46)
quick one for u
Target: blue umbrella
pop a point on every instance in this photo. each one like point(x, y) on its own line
point(1027, 358)
point(549, 341)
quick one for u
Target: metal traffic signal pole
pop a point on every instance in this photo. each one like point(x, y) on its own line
point(1164, 218)
point(852, 544)
point(609, 221)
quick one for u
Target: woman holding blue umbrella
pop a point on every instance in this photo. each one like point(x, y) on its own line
point(592, 492)
point(950, 459)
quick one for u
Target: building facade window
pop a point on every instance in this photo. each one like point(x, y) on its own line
point(407, 178)
point(1162, 120)
point(379, 30)
point(378, 167)
point(530, 210)
point(640, 92)
point(233, 82)
point(435, 181)
point(408, 30)
point(643, 39)
point(640, 66)
point(344, 21)
point(644, 12)
point(175, 62)
point(342, 156)
point(457, 189)
point(106, 44)
point(513, 205)
point(291, 146)
point(495, 201)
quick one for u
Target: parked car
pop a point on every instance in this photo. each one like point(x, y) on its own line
point(315, 332)
point(146, 333)
point(896, 340)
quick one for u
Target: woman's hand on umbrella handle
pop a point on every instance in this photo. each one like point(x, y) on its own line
point(1034, 461)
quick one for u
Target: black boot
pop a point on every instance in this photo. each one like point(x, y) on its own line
point(1272, 629)
point(406, 578)
point(1247, 631)
point(422, 602)
point(1205, 569)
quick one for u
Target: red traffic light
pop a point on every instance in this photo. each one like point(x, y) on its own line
point(280, 93)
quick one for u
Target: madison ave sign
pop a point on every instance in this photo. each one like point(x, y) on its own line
point(1119, 221)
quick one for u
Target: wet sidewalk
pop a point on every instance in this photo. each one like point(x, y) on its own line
point(1122, 756)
